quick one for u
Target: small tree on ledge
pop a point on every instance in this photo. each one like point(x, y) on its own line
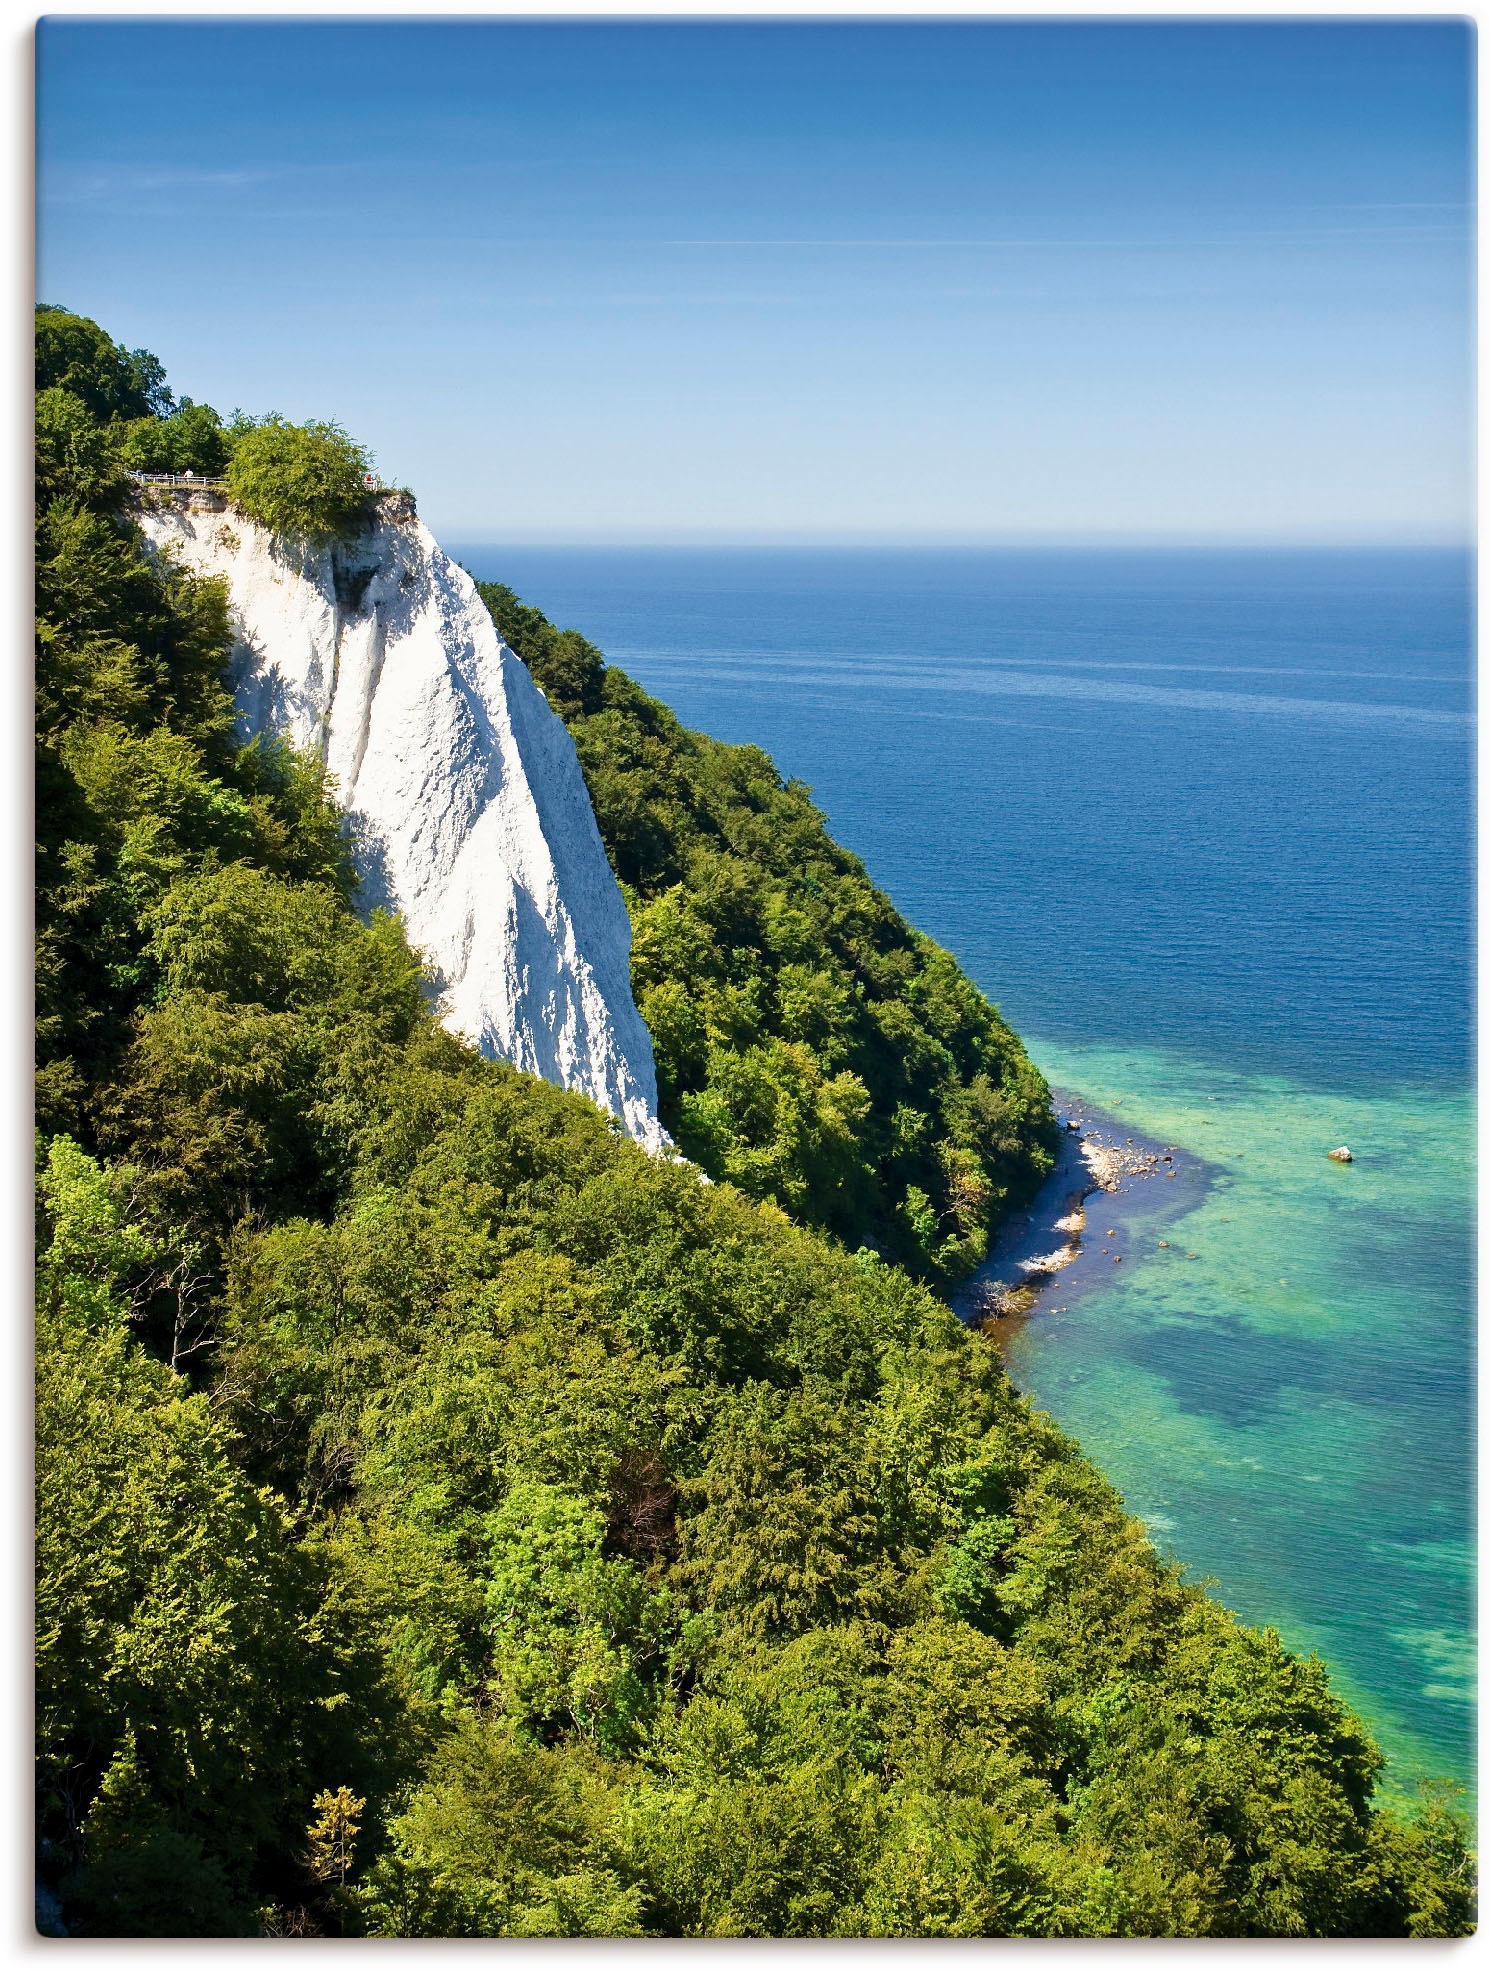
point(305, 479)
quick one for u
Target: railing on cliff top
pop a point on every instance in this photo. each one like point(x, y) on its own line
point(178, 479)
point(371, 481)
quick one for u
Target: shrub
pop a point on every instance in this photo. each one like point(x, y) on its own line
point(304, 479)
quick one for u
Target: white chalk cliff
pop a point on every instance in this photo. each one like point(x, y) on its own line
point(469, 813)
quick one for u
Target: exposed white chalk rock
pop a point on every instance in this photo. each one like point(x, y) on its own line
point(469, 813)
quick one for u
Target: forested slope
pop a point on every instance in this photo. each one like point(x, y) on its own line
point(811, 1046)
point(452, 1521)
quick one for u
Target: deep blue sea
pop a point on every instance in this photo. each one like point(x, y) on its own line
point(1200, 823)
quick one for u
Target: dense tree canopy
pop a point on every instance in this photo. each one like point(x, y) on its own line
point(453, 1521)
point(191, 439)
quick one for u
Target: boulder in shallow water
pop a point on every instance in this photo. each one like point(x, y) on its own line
point(1342, 1154)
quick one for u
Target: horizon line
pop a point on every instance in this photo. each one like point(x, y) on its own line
point(1373, 544)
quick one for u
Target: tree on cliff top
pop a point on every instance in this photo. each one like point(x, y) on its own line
point(73, 353)
point(303, 479)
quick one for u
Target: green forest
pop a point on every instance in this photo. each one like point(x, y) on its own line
point(453, 1521)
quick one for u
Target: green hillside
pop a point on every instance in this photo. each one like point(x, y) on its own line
point(454, 1522)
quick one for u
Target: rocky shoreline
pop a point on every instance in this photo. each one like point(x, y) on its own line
point(1096, 1158)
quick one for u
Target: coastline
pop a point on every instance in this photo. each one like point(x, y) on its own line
point(1063, 1245)
point(1274, 1410)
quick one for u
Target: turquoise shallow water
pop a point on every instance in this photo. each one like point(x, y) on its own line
point(1200, 823)
point(1270, 1390)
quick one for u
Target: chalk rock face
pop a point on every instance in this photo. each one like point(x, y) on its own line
point(469, 813)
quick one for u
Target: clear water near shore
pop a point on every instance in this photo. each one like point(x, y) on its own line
point(1200, 823)
point(1270, 1391)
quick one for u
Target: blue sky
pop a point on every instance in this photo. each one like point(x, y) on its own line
point(907, 281)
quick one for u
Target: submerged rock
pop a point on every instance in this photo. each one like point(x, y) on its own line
point(469, 813)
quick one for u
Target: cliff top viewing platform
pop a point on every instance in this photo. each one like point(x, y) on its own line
point(200, 491)
point(214, 482)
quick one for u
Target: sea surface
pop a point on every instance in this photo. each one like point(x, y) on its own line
point(1200, 823)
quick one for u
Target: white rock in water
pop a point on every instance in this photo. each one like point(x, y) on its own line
point(469, 813)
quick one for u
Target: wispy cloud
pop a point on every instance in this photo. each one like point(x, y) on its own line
point(96, 184)
point(700, 300)
point(1315, 237)
point(104, 182)
point(1393, 205)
